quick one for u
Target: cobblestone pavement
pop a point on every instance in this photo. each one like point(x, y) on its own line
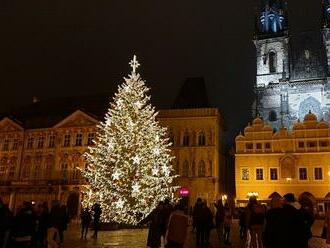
point(136, 238)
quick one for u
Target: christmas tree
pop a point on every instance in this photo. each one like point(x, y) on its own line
point(129, 167)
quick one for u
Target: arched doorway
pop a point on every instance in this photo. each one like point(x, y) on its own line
point(308, 202)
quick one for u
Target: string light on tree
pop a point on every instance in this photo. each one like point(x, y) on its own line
point(129, 166)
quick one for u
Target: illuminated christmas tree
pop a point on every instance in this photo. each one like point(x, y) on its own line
point(129, 167)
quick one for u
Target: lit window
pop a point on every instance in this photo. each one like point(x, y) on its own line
point(90, 139)
point(201, 139)
point(41, 140)
point(302, 173)
point(29, 144)
point(78, 139)
point(273, 174)
point(201, 169)
point(15, 145)
point(260, 174)
point(5, 145)
point(267, 145)
point(67, 139)
point(318, 173)
point(51, 141)
point(259, 146)
point(245, 174)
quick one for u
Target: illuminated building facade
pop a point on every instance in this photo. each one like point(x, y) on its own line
point(42, 145)
point(270, 164)
point(292, 69)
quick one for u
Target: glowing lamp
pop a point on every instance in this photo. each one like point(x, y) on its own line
point(184, 192)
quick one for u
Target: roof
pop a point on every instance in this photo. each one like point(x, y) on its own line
point(192, 94)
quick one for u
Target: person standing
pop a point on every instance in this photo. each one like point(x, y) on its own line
point(155, 226)
point(165, 216)
point(6, 219)
point(327, 219)
point(54, 225)
point(242, 223)
point(227, 223)
point(177, 228)
point(24, 226)
point(86, 219)
point(274, 225)
point(255, 219)
point(219, 219)
point(96, 218)
point(200, 222)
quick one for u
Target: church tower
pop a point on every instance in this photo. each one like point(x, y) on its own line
point(272, 55)
point(326, 31)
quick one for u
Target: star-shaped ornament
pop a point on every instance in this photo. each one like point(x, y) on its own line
point(136, 160)
point(136, 188)
point(166, 170)
point(116, 175)
point(120, 203)
point(155, 171)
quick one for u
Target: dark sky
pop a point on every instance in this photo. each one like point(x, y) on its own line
point(61, 48)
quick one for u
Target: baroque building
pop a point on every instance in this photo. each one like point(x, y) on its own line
point(42, 147)
point(270, 164)
point(292, 68)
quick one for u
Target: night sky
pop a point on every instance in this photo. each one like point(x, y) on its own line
point(52, 49)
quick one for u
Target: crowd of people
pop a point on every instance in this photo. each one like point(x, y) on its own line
point(34, 225)
point(285, 223)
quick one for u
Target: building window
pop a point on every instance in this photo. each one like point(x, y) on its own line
point(41, 140)
point(302, 173)
point(64, 170)
point(37, 171)
point(201, 139)
point(78, 139)
point(76, 172)
point(193, 168)
point(245, 174)
point(26, 171)
point(259, 174)
point(5, 145)
point(185, 169)
point(249, 146)
point(318, 173)
point(12, 169)
point(51, 141)
point(67, 139)
point(201, 169)
point(259, 146)
point(2, 169)
point(301, 144)
point(29, 144)
point(273, 174)
point(324, 143)
point(90, 138)
point(311, 144)
point(48, 170)
point(186, 139)
point(272, 62)
point(15, 145)
point(272, 116)
point(267, 146)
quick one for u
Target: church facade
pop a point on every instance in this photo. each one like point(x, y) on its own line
point(292, 69)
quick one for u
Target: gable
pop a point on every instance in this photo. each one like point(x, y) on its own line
point(77, 119)
point(7, 125)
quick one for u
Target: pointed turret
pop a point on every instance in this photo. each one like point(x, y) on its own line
point(272, 17)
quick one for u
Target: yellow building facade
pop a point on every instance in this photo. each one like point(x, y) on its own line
point(40, 164)
point(270, 164)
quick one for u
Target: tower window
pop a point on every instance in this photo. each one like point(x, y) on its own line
point(201, 169)
point(272, 116)
point(272, 62)
point(186, 139)
point(201, 139)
